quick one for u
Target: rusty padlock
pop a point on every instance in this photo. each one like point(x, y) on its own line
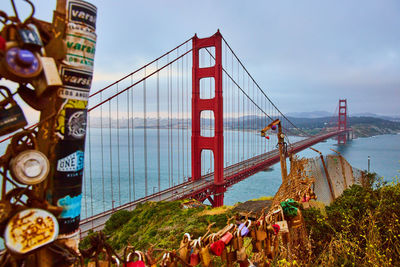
point(30, 229)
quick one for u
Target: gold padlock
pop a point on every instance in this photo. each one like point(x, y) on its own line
point(261, 234)
point(205, 256)
point(183, 251)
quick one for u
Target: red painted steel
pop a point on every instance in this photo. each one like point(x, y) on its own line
point(257, 164)
point(342, 124)
point(216, 143)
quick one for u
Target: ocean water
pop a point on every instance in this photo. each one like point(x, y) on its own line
point(384, 151)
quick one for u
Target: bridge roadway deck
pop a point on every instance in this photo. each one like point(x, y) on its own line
point(202, 188)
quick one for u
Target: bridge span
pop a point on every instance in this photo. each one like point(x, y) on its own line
point(203, 188)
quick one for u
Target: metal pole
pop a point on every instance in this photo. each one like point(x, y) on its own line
point(62, 138)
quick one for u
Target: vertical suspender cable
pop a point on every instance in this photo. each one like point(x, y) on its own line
point(169, 126)
point(178, 118)
point(145, 134)
point(181, 124)
point(172, 123)
point(111, 162)
point(187, 113)
point(119, 165)
point(90, 166)
point(158, 130)
point(102, 150)
point(133, 146)
point(129, 145)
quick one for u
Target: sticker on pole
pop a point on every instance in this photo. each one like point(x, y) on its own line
point(82, 12)
point(76, 82)
point(30, 229)
point(81, 47)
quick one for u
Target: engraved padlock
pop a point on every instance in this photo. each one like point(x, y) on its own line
point(12, 117)
point(30, 229)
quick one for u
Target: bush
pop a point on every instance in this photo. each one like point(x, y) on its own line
point(361, 227)
point(116, 220)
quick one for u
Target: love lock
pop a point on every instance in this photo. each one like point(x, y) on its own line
point(30, 229)
point(28, 166)
point(11, 115)
point(138, 263)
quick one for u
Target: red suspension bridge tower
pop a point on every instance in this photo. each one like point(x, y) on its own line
point(342, 121)
point(215, 104)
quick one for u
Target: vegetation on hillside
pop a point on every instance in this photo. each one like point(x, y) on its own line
point(162, 224)
point(360, 228)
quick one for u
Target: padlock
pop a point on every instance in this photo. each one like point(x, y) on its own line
point(30, 167)
point(29, 37)
point(183, 251)
point(27, 165)
point(205, 256)
point(20, 65)
point(11, 116)
point(138, 263)
point(167, 260)
point(194, 256)
point(244, 229)
point(227, 237)
point(231, 257)
point(237, 240)
point(261, 234)
point(30, 229)
point(241, 255)
point(217, 247)
point(49, 79)
point(283, 225)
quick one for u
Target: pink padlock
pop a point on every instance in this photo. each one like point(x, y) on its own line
point(227, 238)
point(138, 263)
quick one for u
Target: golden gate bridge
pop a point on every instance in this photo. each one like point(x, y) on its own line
point(185, 125)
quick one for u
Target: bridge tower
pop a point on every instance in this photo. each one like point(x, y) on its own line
point(342, 121)
point(215, 104)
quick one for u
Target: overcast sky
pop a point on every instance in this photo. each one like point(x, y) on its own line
point(304, 54)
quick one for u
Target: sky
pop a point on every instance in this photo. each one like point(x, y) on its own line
point(305, 55)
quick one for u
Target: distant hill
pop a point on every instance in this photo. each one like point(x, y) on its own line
point(362, 126)
point(323, 114)
point(312, 114)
